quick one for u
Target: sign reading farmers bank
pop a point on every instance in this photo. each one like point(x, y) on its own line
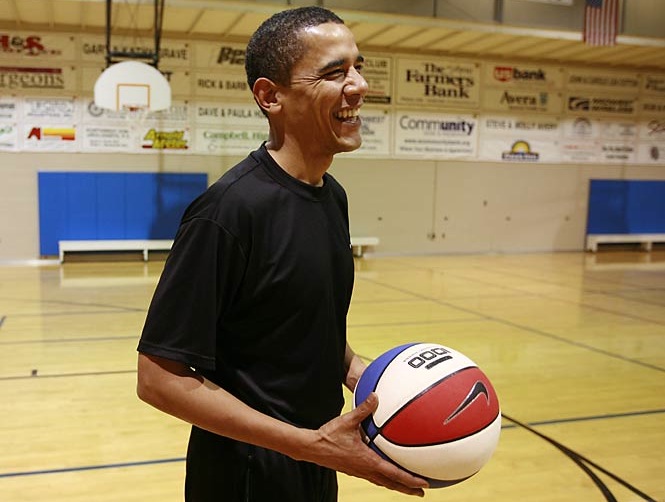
point(437, 82)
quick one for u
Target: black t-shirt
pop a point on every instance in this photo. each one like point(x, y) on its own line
point(255, 292)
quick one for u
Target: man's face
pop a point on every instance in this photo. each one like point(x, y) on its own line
point(326, 92)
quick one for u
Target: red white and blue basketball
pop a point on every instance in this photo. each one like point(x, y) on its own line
point(438, 415)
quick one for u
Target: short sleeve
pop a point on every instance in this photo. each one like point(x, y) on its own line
point(200, 279)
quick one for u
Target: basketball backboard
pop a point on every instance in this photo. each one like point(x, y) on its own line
point(132, 85)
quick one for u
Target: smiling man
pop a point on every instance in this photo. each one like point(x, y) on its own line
point(245, 337)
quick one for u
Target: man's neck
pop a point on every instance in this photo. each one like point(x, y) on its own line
point(306, 169)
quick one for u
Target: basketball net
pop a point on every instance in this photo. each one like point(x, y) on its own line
point(135, 114)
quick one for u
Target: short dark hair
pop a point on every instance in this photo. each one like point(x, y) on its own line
point(276, 46)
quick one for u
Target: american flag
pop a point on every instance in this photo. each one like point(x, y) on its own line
point(600, 22)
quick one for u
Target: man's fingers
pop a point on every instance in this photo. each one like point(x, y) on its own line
point(366, 408)
point(392, 484)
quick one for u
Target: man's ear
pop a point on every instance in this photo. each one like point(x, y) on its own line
point(266, 95)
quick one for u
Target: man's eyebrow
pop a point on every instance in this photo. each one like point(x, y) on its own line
point(340, 62)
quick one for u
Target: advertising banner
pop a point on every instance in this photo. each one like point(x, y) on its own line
point(580, 128)
point(50, 110)
point(652, 107)
point(229, 114)
point(377, 71)
point(437, 82)
point(518, 149)
point(523, 126)
point(25, 46)
point(579, 151)
point(36, 79)
point(654, 84)
point(602, 81)
point(228, 140)
point(521, 100)
point(651, 153)
point(615, 152)
point(222, 85)
point(519, 139)
point(104, 138)
point(8, 136)
point(50, 137)
point(172, 53)
point(220, 56)
point(522, 75)
point(9, 109)
point(625, 130)
point(652, 130)
point(164, 138)
point(376, 131)
point(587, 104)
point(435, 135)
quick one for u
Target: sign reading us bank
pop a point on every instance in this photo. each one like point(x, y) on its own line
point(437, 82)
point(515, 75)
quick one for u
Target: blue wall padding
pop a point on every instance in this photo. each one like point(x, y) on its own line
point(626, 207)
point(94, 205)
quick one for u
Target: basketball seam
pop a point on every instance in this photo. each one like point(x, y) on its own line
point(458, 438)
point(424, 391)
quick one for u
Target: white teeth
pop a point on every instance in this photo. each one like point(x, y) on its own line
point(348, 113)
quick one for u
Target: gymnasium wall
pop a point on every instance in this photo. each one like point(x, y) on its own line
point(501, 166)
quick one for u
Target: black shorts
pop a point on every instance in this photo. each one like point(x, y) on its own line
point(223, 470)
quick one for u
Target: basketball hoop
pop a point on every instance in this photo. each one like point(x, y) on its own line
point(136, 114)
point(132, 86)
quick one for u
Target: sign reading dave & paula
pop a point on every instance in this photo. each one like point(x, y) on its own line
point(433, 81)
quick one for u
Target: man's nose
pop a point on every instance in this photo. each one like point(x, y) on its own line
point(357, 84)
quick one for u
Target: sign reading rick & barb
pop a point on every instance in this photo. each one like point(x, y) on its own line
point(438, 82)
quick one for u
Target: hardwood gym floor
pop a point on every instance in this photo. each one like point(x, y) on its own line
point(574, 344)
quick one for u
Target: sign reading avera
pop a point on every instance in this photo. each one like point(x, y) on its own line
point(521, 100)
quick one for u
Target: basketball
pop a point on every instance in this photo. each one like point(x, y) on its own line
point(438, 415)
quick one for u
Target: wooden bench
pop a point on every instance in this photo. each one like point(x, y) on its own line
point(144, 245)
point(358, 243)
point(644, 240)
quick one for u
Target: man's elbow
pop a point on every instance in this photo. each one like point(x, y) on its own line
point(147, 386)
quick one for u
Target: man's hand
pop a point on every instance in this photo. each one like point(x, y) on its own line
point(341, 447)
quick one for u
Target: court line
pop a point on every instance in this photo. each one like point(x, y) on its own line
point(70, 303)
point(88, 339)
point(109, 310)
point(64, 470)
point(561, 300)
point(585, 464)
point(634, 287)
point(139, 463)
point(612, 294)
point(528, 329)
point(66, 375)
point(557, 421)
